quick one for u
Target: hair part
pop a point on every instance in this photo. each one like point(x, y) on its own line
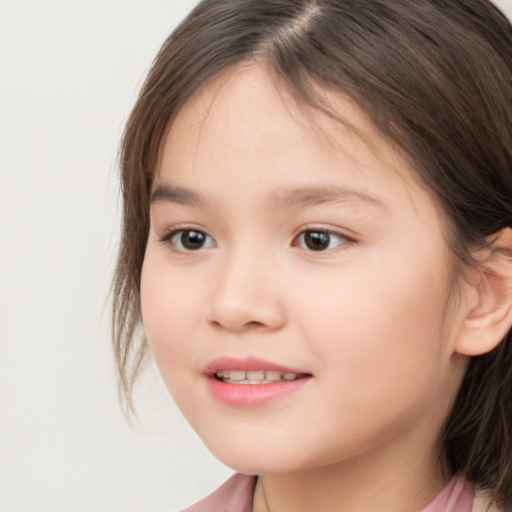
point(434, 77)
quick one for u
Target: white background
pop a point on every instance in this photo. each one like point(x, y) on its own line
point(69, 74)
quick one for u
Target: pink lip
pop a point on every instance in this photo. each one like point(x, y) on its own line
point(250, 395)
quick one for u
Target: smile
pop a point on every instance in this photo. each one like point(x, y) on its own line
point(251, 381)
point(255, 376)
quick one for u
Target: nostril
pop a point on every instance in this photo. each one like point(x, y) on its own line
point(242, 326)
point(254, 324)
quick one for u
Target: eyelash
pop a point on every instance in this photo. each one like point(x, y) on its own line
point(315, 235)
point(345, 240)
point(168, 236)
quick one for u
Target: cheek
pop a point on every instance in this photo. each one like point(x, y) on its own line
point(169, 310)
point(382, 360)
point(380, 325)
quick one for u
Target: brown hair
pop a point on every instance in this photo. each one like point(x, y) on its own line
point(434, 76)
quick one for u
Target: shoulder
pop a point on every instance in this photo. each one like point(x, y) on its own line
point(482, 503)
point(235, 495)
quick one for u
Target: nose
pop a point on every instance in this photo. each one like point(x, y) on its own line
point(246, 295)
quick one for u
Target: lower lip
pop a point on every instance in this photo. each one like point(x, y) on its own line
point(251, 395)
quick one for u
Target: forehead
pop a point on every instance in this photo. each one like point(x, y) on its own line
point(262, 109)
point(241, 125)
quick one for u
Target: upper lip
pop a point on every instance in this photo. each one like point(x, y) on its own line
point(247, 364)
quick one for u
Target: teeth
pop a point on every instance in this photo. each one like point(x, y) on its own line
point(237, 375)
point(273, 375)
point(254, 377)
point(259, 375)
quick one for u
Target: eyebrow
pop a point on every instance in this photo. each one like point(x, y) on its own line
point(295, 198)
point(314, 196)
point(179, 195)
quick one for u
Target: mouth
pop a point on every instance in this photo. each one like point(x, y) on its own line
point(252, 382)
point(256, 376)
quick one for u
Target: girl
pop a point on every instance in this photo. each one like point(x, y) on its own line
point(317, 241)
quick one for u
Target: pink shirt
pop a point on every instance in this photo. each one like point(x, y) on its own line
point(236, 496)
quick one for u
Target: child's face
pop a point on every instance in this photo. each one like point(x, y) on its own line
point(312, 251)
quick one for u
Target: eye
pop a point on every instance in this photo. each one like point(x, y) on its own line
point(320, 240)
point(188, 240)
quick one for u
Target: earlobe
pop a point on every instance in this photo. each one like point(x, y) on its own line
point(489, 317)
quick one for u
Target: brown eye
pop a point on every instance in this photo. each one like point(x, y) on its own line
point(318, 240)
point(190, 240)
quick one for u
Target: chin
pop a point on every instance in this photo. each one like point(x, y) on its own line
point(253, 458)
point(259, 458)
point(254, 466)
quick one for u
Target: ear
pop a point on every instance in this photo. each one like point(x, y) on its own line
point(488, 316)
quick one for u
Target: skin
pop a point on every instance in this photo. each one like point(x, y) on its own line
point(371, 318)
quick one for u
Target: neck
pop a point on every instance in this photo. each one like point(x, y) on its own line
point(372, 482)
